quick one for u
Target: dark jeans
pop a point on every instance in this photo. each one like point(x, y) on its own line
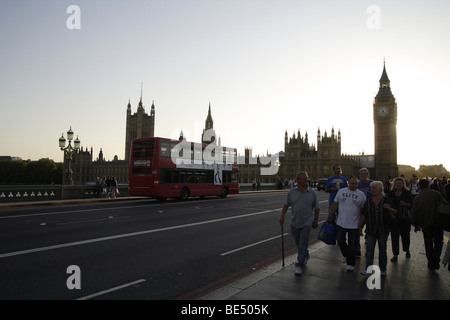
point(347, 250)
point(400, 230)
point(382, 250)
point(433, 237)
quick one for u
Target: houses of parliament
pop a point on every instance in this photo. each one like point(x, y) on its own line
point(299, 154)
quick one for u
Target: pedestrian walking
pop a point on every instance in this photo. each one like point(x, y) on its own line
point(364, 182)
point(103, 186)
point(414, 186)
point(447, 191)
point(98, 188)
point(114, 188)
point(364, 186)
point(334, 183)
point(376, 215)
point(424, 215)
point(402, 199)
point(108, 186)
point(350, 201)
point(305, 214)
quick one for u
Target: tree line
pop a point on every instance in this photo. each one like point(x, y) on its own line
point(430, 171)
point(46, 171)
point(43, 171)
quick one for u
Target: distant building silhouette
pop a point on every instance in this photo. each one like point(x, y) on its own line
point(298, 155)
point(318, 161)
point(139, 125)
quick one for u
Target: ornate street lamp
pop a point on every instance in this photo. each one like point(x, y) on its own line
point(68, 152)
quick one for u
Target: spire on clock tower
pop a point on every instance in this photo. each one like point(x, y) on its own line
point(384, 80)
point(385, 85)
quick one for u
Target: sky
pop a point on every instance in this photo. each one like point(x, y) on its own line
point(265, 66)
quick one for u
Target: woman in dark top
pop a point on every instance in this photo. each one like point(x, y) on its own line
point(402, 199)
point(377, 215)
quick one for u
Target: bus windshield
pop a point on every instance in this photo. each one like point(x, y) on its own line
point(142, 154)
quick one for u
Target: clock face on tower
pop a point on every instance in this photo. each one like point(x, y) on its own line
point(382, 111)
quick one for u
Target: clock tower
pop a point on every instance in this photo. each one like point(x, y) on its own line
point(385, 123)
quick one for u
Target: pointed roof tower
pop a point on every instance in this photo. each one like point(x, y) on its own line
point(209, 120)
point(209, 127)
point(384, 80)
point(385, 84)
point(140, 106)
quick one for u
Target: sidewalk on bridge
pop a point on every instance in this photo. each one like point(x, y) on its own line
point(326, 278)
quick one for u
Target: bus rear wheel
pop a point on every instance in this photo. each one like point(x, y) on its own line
point(184, 194)
point(224, 192)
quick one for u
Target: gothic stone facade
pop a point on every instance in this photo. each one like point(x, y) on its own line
point(300, 155)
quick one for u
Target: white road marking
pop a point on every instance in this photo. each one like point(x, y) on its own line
point(71, 211)
point(111, 290)
point(132, 234)
point(251, 245)
point(259, 242)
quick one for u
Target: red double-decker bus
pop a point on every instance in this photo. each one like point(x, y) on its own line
point(165, 168)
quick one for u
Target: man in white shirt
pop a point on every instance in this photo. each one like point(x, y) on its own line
point(350, 201)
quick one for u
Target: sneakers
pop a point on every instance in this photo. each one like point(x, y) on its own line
point(298, 271)
point(298, 268)
point(350, 268)
point(367, 274)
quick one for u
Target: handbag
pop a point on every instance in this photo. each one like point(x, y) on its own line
point(404, 215)
point(327, 233)
point(388, 217)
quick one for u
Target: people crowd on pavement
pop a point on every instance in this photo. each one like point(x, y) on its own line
point(106, 187)
point(374, 210)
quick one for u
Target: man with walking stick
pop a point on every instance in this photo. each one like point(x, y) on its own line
point(305, 215)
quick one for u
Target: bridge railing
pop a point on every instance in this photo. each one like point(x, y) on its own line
point(25, 193)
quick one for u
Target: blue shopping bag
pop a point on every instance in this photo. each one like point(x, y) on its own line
point(327, 233)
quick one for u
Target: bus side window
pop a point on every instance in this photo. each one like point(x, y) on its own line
point(166, 176)
point(164, 149)
point(226, 176)
point(209, 176)
point(176, 176)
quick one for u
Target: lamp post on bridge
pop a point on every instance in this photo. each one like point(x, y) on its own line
point(68, 153)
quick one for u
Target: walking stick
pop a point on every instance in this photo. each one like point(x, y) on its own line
point(282, 244)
